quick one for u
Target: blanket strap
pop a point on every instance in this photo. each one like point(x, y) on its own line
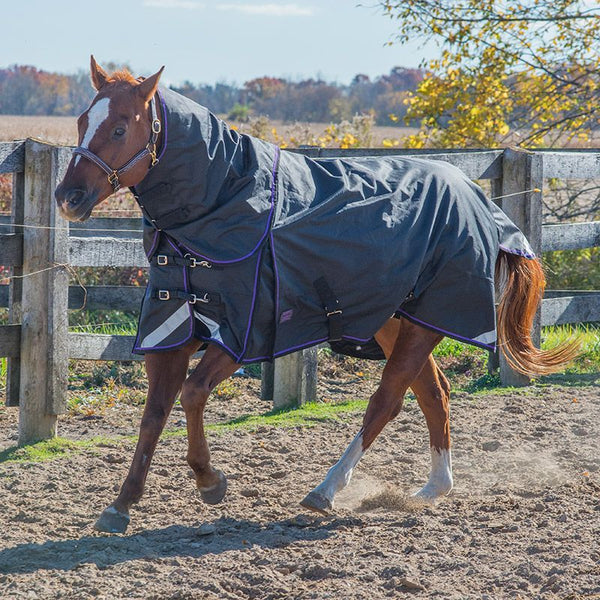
point(332, 308)
point(203, 297)
point(164, 260)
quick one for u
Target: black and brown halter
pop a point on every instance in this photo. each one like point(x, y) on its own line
point(148, 150)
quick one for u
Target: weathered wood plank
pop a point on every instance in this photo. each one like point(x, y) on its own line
point(108, 226)
point(12, 157)
point(106, 252)
point(570, 236)
point(476, 164)
point(99, 297)
point(522, 171)
point(10, 340)
point(44, 351)
point(571, 309)
point(295, 378)
point(107, 297)
point(11, 249)
point(88, 346)
point(574, 164)
point(15, 288)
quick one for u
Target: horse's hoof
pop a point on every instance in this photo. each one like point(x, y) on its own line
point(318, 503)
point(214, 494)
point(112, 521)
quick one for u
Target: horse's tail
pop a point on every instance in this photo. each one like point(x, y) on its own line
point(521, 294)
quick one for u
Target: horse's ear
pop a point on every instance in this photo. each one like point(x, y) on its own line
point(99, 75)
point(147, 88)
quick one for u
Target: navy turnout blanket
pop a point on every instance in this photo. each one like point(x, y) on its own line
point(265, 252)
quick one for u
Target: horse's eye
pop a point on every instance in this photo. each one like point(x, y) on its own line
point(119, 132)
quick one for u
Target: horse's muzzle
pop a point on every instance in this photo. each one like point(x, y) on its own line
point(75, 204)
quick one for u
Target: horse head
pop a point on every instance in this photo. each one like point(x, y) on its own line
point(118, 137)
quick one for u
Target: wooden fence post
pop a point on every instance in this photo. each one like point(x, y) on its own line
point(15, 292)
point(523, 171)
point(44, 330)
point(291, 380)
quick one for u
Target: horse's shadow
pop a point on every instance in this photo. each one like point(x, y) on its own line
point(172, 541)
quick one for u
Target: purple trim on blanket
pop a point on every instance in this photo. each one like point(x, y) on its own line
point(355, 339)
point(455, 336)
point(265, 233)
point(276, 272)
point(154, 244)
point(174, 246)
point(218, 343)
point(164, 123)
point(251, 313)
point(518, 252)
point(300, 347)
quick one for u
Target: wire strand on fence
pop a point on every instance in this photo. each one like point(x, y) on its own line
point(67, 229)
point(535, 190)
point(71, 271)
point(22, 225)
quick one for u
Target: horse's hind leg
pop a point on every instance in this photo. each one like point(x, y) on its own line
point(214, 367)
point(166, 374)
point(409, 353)
point(433, 395)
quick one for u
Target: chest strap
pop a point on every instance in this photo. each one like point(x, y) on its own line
point(200, 297)
point(332, 307)
point(164, 260)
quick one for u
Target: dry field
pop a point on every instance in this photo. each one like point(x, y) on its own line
point(63, 130)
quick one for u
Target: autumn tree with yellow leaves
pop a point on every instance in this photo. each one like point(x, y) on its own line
point(515, 71)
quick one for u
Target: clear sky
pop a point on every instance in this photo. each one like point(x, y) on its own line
point(206, 40)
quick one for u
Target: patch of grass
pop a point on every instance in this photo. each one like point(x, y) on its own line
point(57, 447)
point(306, 415)
point(589, 335)
point(454, 348)
point(38, 452)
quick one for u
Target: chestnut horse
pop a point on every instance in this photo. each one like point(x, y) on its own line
point(120, 137)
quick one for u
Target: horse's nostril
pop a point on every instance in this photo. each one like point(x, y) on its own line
point(74, 197)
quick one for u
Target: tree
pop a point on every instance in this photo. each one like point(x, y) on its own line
point(520, 70)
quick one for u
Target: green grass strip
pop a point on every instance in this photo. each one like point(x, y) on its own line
point(307, 415)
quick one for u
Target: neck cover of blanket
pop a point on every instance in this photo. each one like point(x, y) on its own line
point(266, 252)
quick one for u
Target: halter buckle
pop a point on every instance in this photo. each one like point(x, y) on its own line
point(156, 126)
point(113, 179)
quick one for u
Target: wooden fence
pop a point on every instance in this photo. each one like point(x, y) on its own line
point(36, 339)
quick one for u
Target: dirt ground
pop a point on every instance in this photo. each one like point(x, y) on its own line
point(522, 522)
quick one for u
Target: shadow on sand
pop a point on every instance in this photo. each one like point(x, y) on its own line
point(175, 540)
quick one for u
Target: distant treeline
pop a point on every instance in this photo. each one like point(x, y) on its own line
point(25, 90)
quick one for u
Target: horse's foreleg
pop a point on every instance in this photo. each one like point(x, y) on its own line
point(166, 374)
point(411, 347)
point(214, 367)
point(433, 395)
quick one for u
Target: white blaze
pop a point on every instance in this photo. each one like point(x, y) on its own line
point(96, 116)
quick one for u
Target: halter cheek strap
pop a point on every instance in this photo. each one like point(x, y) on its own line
point(149, 150)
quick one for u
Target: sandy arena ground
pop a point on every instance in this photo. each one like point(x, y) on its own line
point(522, 522)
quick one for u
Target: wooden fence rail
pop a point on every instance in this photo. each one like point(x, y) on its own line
point(36, 339)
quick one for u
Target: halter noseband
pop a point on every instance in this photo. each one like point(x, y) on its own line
point(148, 150)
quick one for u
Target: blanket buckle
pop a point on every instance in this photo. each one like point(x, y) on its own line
point(164, 295)
point(162, 260)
